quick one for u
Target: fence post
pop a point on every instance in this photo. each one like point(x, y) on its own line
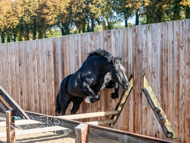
point(10, 126)
point(81, 133)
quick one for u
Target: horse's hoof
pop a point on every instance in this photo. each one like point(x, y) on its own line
point(97, 97)
point(114, 96)
point(87, 99)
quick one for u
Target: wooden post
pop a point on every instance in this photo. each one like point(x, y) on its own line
point(121, 102)
point(10, 126)
point(81, 133)
point(159, 113)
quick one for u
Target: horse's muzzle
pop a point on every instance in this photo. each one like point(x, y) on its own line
point(126, 86)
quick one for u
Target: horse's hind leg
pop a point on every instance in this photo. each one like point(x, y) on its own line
point(76, 103)
point(65, 100)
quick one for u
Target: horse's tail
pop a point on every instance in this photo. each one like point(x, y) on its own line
point(58, 106)
point(60, 93)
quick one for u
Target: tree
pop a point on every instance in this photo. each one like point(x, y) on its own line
point(9, 19)
point(121, 9)
point(136, 6)
point(46, 16)
point(109, 15)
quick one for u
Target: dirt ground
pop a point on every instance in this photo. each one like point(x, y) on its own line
point(52, 137)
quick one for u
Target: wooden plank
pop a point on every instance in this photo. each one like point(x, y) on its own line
point(4, 103)
point(106, 132)
point(26, 75)
point(22, 122)
point(159, 44)
point(81, 133)
point(130, 72)
point(125, 113)
point(170, 71)
point(187, 104)
point(137, 80)
point(160, 115)
point(182, 81)
point(165, 67)
point(103, 122)
point(123, 136)
point(18, 110)
point(122, 102)
point(37, 130)
point(176, 77)
point(144, 72)
point(89, 115)
point(149, 76)
point(154, 74)
point(10, 128)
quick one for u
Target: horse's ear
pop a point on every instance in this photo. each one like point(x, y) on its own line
point(113, 61)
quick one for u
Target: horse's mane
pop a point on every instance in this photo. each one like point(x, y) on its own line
point(101, 52)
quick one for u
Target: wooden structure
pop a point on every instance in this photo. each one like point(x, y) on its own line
point(81, 130)
point(31, 72)
point(8, 102)
point(159, 113)
point(10, 126)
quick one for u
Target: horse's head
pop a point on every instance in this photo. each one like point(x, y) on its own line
point(118, 73)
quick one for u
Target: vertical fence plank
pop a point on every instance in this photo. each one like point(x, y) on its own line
point(165, 67)
point(170, 71)
point(144, 72)
point(176, 78)
point(130, 72)
point(137, 78)
point(182, 81)
point(35, 76)
point(17, 86)
point(149, 72)
point(187, 104)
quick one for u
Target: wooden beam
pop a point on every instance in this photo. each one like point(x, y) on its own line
point(10, 126)
point(159, 113)
point(104, 122)
point(38, 130)
point(123, 136)
point(81, 133)
point(106, 132)
point(4, 105)
point(17, 109)
point(89, 115)
point(121, 102)
point(22, 122)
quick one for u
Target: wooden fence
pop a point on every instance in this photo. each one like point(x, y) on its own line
point(32, 71)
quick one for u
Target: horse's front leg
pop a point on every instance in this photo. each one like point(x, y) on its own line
point(93, 97)
point(116, 93)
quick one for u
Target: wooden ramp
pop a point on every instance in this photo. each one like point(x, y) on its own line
point(159, 113)
point(7, 102)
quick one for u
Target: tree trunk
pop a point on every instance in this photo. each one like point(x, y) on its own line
point(83, 28)
point(88, 27)
point(40, 34)
point(92, 21)
point(67, 30)
point(15, 35)
point(137, 18)
point(62, 31)
point(126, 22)
point(34, 30)
point(2, 37)
point(8, 39)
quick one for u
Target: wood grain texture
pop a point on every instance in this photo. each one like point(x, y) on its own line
point(31, 72)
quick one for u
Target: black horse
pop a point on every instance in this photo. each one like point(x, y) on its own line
point(100, 70)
